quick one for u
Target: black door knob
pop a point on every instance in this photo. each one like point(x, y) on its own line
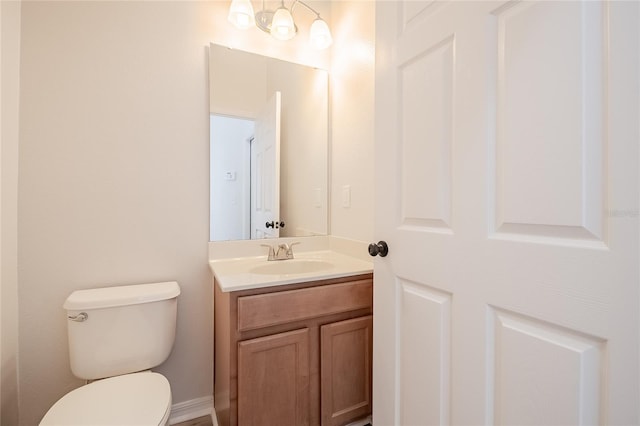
point(274, 225)
point(381, 249)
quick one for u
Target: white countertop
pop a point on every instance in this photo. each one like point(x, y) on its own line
point(234, 274)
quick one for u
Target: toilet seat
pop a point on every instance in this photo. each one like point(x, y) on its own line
point(131, 399)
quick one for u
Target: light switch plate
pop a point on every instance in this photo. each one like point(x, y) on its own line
point(346, 196)
point(317, 198)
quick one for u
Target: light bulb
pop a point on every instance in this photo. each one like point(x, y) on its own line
point(319, 34)
point(241, 14)
point(282, 26)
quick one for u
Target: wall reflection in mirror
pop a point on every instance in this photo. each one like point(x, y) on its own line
point(269, 147)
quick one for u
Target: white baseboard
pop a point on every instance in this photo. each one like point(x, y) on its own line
point(192, 409)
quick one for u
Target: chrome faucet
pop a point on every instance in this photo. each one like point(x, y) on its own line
point(284, 251)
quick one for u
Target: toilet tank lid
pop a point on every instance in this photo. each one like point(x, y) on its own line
point(107, 297)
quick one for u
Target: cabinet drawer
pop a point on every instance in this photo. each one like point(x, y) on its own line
point(264, 310)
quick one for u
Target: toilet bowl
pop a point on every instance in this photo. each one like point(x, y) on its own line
point(131, 399)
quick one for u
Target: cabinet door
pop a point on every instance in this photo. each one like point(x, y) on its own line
point(345, 366)
point(273, 380)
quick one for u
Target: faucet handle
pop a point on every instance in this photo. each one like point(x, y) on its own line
point(272, 252)
point(290, 249)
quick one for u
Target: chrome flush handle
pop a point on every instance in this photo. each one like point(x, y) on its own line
point(81, 317)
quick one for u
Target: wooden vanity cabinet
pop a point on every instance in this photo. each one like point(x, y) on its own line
point(294, 355)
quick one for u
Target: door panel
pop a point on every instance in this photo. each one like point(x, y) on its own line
point(549, 118)
point(426, 102)
point(424, 339)
point(521, 351)
point(508, 132)
point(265, 170)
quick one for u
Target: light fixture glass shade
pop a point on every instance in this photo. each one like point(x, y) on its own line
point(282, 26)
point(241, 14)
point(319, 35)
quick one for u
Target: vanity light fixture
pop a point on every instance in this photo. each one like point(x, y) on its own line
point(279, 23)
point(241, 14)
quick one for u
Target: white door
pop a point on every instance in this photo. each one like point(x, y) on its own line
point(265, 172)
point(507, 150)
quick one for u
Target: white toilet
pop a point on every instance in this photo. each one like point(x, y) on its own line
point(115, 334)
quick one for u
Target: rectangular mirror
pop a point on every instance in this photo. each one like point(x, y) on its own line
point(284, 185)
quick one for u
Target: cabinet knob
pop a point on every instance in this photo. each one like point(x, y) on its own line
point(381, 249)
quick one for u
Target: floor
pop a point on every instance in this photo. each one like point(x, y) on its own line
point(200, 421)
point(206, 421)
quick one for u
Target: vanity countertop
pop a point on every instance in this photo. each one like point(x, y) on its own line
point(256, 272)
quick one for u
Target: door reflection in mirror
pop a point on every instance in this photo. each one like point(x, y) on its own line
point(265, 171)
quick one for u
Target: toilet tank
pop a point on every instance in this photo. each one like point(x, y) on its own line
point(120, 330)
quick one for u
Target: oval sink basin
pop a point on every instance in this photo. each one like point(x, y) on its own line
point(291, 266)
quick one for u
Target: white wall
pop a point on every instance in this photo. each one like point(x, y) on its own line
point(352, 103)
point(303, 148)
point(9, 90)
point(114, 165)
point(113, 177)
